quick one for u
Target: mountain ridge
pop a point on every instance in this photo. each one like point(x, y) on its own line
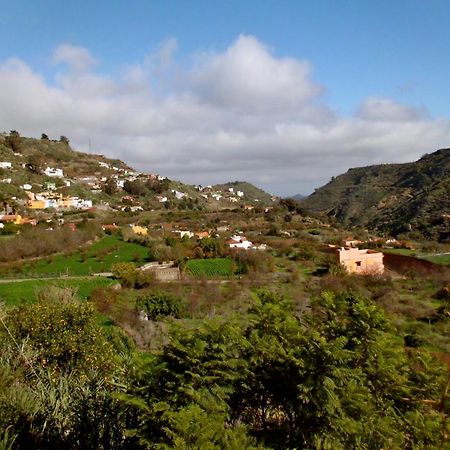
point(411, 197)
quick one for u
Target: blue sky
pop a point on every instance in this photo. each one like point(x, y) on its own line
point(370, 79)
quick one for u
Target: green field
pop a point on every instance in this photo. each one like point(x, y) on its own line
point(98, 258)
point(14, 293)
point(214, 267)
point(438, 259)
point(400, 251)
point(443, 259)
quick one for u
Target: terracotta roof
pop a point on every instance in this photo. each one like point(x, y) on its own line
point(8, 217)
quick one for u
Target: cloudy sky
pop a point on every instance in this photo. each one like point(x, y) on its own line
point(284, 94)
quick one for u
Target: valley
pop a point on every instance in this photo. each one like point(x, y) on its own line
point(166, 312)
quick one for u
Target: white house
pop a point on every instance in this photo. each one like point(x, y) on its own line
point(178, 195)
point(239, 242)
point(26, 186)
point(51, 203)
point(184, 233)
point(54, 172)
point(80, 203)
point(5, 165)
point(240, 193)
point(86, 204)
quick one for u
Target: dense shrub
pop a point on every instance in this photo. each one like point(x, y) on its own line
point(157, 305)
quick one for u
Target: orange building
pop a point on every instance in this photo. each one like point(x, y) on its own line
point(362, 262)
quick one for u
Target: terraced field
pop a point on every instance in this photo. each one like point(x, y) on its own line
point(17, 292)
point(98, 258)
point(214, 267)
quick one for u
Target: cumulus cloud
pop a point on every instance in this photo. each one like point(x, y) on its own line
point(248, 78)
point(77, 58)
point(241, 113)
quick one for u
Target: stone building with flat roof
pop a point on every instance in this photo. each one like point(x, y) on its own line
point(361, 261)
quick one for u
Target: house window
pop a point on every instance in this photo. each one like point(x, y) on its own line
point(358, 263)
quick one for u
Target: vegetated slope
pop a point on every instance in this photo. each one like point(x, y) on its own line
point(55, 153)
point(251, 192)
point(30, 157)
point(392, 198)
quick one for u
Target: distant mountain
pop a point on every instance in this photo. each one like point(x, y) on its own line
point(298, 197)
point(251, 192)
point(391, 198)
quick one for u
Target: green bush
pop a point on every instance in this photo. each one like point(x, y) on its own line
point(62, 332)
point(157, 305)
point(126, 272)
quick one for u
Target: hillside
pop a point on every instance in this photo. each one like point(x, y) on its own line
point(53, 175)
point(391, 198)
point(251, 192)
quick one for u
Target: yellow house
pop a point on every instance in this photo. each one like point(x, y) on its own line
point(142, 231)
point(17, 219)
point(36, 204)
point(12, 218)
point(362, 262)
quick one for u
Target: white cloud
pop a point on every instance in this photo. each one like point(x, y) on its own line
point(79, 59)
point(248, 78)
point(242, 113)
point(386, 110)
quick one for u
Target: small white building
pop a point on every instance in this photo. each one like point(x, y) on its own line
point(5, 165)
point(184, 233)
point(240, 242)
point(80, 203)
point(178, 195)
point(54, 172)
point(51, 203)
point(26, 186)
